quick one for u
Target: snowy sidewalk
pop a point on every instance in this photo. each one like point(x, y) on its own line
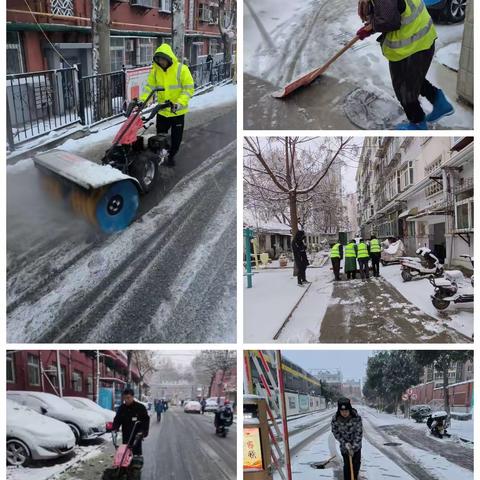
point(380, 310)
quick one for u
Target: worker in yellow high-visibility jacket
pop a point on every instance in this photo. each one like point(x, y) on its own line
point(408, 43)
point(176, 79)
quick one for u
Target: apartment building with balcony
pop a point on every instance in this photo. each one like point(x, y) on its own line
point(420, 190)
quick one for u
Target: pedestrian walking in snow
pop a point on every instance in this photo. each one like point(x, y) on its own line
point(375, 255)
point(203, 404)
point(300, 256)
point(347, 429)
point(336, 255)
point(175, 77)
point(350, 253)
point(408, 43)
point(363, 256)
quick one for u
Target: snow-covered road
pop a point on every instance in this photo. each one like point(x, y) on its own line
point(380, 310)
point(169, 277)
point(285, 40)
point(393, 447)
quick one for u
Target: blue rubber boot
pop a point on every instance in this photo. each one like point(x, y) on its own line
point(411, 126)
point(441, 108)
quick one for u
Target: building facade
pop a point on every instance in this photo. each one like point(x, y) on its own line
point(83, 373)
point(460, 388)
point(419, 190)
point(225, 385)
point(46, 34)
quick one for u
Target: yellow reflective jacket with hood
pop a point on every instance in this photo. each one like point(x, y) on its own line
point(176, 80)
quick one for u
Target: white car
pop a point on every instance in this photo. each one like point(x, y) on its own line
point(85, 425)
point(192, 407)
point(211, 404)
point(87, 404)
point(31, 436)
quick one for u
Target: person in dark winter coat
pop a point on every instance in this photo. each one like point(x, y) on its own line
point(300, 256)
point(203, 404)
point(159, 409)
point(348, 431)
point(408, 43)
point(130, 412)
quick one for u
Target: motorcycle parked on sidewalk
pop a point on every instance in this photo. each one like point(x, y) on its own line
point(126, 465)
point(424, 265)
point(452, 289)
point(437, 423)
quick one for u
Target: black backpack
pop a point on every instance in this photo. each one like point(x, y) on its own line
point(387, 15)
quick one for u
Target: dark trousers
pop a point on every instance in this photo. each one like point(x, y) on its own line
point(351, 275)
point(409, 82)
point(376, 263)
point(176, 125)
point(356, 461)
point(363, 264)
point(159, 416)
point(302, 273)
point(336, 268)
point(137, 448)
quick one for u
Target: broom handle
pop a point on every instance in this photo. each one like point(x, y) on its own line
point(349, 45)
point(351, 467)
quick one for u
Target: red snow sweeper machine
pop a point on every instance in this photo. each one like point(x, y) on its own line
point(107, 194)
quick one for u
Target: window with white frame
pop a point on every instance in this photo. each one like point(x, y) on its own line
point(53, 375)
point(165, 6)
point(89, 384)
point(464, 214)
point(117, 53)
point(33, 369)
point(411, 229)
point(10, 367)
point(406, 175)
point(15, 61)
point(77, 381)
point(434, 187)
point(145, 50)
point(204, 12)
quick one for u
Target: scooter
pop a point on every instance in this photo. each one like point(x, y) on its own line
point(437, 423)
point(413, 267)
point(452, 288)
point(223, 420)
point(126, 465)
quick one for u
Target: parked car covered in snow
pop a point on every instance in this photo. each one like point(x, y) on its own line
point(32, 436)
point(448, 10)
point(87, 404)
point(85, 425)
point(192, 407)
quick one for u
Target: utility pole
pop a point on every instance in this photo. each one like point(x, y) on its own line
point(100, 36)
point(98, 378)
point(178, 29)
point(59, 375)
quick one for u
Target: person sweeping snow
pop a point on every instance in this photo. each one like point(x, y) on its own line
point(176, 79)
point(408, 43)
point(348, 431)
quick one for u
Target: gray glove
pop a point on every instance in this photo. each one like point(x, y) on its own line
point(176, 107)
point(349, 448)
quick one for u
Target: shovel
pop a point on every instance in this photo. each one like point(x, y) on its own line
point(322, 465)
point(351, 467)
point(309, 77)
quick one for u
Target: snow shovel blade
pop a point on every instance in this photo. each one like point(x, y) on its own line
point(309, 77)
point(321, 465)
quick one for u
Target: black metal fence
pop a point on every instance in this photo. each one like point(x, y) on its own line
point(210, 73)
point(40, 102)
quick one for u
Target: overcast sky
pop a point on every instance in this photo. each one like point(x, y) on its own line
point(352, 363)
point(178, 357)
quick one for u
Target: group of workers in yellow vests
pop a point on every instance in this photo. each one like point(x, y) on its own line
point(354, 252)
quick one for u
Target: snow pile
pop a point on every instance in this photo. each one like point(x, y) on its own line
point(223, 95)
point(450, 55)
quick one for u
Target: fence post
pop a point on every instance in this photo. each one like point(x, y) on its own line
point(81, 99)
point(10, 138)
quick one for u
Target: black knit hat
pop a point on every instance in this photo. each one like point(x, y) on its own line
point(344, 404)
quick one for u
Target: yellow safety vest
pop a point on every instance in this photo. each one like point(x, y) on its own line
point(177, 82)
point(416, 33)
point(375, 246)
point(362, 251)
point(335, 251)
point(350, 251)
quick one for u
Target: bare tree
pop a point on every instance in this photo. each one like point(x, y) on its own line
point(145, 362)
point(292, 173)
point(227, 21)
point(209, 362)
